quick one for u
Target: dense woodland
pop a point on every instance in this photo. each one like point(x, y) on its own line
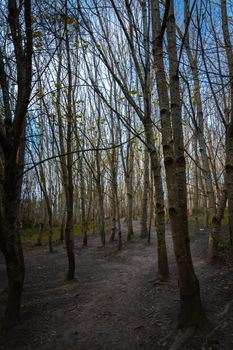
point(116, 128)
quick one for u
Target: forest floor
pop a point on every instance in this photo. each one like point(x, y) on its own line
point(116, 303)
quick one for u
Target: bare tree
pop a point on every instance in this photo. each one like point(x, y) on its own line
point(173, 150)
point(12, 141)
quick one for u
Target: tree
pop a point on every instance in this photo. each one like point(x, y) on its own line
point(173, 150)
point(12, 142)
point(229, 129)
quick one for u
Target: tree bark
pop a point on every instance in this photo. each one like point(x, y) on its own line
point(199, 127)
point(69, 238)
point(12, 143)
point(100, 201)
point(144, 215)
point(173, 149)
point(163, 270)
point(229, 131)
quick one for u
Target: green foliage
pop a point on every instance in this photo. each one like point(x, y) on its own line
point(32, 234)
point(85, 44)
point(29, 234)
point(40, 94)
point(202, 218)
point(133, 92)
point(224, 242)
point(37, 34)
point(57, 86)
point(148, 244)
point(114, 252)
point(70, 20)
point(93, 226)
point(225, 220)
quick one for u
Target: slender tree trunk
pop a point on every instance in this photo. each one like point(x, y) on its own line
point(195, 188)
point(113, 219)
point(84, 223)
point(144, 216)
point(50, 226)
point(113, 194)
point(217, 219)
point(39, 240)
point(151, 207)
point(83, 206)
point(229, 131)
point(69, 238)
point(173, 149)
point(100, 201)
point(48, 203)
point(204, 199)
point(129, 187)
point(199, 125)
point(62, 230)
point(119, 224)
point(163, 271)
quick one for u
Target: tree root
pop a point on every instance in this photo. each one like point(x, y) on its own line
point(226, 309)
point(217, 316)
point(183, 338)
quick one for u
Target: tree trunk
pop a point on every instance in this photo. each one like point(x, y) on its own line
point(217, 219)
point(229, 131)
point(12, 146)
point(100, 201)
point(113, 193)
point(144, 216)
point(50, 224)
point(173, 149)
point(69, 184)
point(83, 207)
point(129, 188)
point(151, 207)
point(199, 126)
point(163, 270)
point(39, 240)
point(62, 230)
point(195, 188)
point(11, 243)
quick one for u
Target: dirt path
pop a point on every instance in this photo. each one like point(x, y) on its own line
point(115, 303)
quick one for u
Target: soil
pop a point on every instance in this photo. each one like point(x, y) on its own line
point(116, 303)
